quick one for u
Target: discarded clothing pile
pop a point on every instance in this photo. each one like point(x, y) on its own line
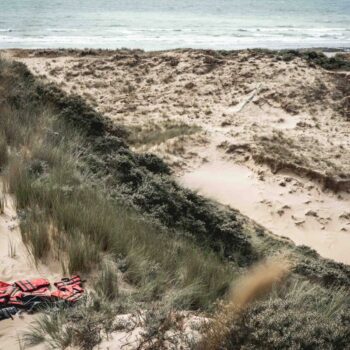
point(30, 294)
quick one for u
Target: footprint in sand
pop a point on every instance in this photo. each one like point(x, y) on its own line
point(298, 221)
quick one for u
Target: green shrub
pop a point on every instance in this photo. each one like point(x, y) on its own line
point(284, 325)
point(326, 272)
point(298, 317)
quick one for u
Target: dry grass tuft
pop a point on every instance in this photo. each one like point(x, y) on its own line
point(258, 281)
point(156, 134)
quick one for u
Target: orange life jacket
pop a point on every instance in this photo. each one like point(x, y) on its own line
point(25, 293)
point(69, 289)
point(5, 293)
point(73, 281)
point(71, 295)
point(31, 285)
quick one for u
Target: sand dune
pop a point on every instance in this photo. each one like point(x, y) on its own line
point(268, 136)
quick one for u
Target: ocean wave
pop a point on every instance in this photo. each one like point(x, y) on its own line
point(159, 39)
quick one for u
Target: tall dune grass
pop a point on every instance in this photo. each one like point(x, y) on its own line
point(67, 214)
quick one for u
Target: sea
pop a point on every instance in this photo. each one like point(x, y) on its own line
point(169, 24)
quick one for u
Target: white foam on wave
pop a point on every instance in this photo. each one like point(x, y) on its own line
point(160, 38)
point(161, 43)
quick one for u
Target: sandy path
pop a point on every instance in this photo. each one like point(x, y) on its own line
point(15, 266)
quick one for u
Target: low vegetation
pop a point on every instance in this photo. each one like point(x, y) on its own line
point(256, 283)
point(155, 134)
point(81, 326)
point(85, 199)
point(297, 316)
point(339, 61)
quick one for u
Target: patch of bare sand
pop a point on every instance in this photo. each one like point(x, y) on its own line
point(133, 334)
point(16, 264)
point(285, 204)
point(255, 112)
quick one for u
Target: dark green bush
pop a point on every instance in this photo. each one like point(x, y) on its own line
point(299, 316)
point(337, 62)
point(153, 163)
point(283, 324)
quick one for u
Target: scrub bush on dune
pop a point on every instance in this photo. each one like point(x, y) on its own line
point(295, 315)
point(303, 319)
point(337, 62)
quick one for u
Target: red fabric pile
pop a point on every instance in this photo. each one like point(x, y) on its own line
point(24, 293)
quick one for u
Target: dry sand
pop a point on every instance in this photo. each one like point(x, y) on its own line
point(185, 330)
point(17, 264)
point(273, 138)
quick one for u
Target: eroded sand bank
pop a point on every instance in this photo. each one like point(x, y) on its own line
point(284, 204)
